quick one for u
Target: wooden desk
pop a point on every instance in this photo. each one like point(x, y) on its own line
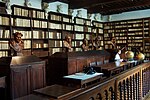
point(82, 80)
point(55, 91)
point(114, 68)
point(71, 63)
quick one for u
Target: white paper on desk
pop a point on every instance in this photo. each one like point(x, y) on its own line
point(83, 77)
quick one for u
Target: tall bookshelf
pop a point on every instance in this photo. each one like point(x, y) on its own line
point(99, 32)
point(59, 25)
point(68, 28)
point(39, 33)
point(44, 36)
point(79, 27)
point(121, 35)
point(146, 41)
point(5, 34)
point(32, 24)
point(54, 30)
point(134, 34)
point(88, 29)
point(109, 31)
point(147, 48)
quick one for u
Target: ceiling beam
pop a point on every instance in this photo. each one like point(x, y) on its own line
point(98, 9)
point(74, 4)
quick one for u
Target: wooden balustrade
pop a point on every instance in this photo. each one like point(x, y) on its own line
point(145, 79)
point(132, 84)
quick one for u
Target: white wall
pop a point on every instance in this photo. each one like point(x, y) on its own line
point(34, 3)
point(114, 17)
point(131, 15)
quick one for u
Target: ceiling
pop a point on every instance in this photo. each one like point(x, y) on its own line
point(107, 7)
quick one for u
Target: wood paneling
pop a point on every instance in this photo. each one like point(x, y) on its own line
point(61, 64)
point(24, 74)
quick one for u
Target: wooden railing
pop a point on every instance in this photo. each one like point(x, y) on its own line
point(132, 84)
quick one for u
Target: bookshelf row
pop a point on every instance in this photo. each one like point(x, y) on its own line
point(129, 33)
point(44, 36)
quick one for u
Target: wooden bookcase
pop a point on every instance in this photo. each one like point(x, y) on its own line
point(5, 34)
point(32, 23)
point(68, 27)
point(59, 25)
point(99, 32)
point(135, 34)
point(88, 29)
point(121, 30)
point(129, 33)
point(147, 48)
point(109, 31)
point(79, 27)
point(43, 36)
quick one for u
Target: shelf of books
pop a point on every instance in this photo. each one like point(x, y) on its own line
point(109, 31)
point(32, 23)
point(146, 42)
point(121, 30)
point(129, 33)
point(88, 29)
point(59, 25)
point(135, 34)
point(39, 33)
point(5, 34)
point(68, 28)
point(79, 33)
point(99, 33)
point(146, 27)
point(147, 48)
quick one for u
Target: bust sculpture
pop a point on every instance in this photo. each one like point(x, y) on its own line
point(17, 44)
point(67, 46)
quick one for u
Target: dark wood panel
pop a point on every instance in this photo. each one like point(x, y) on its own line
point(23, 75)
point(37, 76)
point(19, 81)
point(72, 66)
point(61, 64)
point(81, 63)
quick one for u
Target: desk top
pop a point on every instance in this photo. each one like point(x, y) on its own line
point(114, 65)
point(55, 91)
point(82, 76)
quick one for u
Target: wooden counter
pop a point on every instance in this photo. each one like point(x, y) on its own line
point(131, 84)
point(82, 80)
point(61, 64)
point(23, 75)
point(114, 68)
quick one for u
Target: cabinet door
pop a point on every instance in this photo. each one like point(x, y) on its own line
point(37, 75)
point(19, 81)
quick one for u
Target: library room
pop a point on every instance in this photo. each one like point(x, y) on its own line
point(74, 50)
